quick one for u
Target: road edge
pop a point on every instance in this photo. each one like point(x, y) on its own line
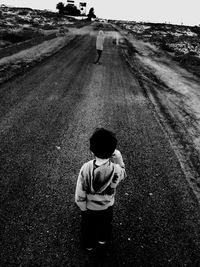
point(186, 166)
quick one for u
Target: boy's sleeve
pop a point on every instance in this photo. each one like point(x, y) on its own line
point(117, 158)
point(80, 193)
point(122, 173)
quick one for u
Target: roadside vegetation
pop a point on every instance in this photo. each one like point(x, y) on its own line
point(21, 24)
point(181, 42)
point(27, 36)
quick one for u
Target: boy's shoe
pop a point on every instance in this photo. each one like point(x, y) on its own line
point(89, 249)
point(98, 63)
point(102, 242)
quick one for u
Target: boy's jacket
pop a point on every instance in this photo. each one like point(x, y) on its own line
point(96, 185)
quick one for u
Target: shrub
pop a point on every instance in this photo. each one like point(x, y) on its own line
point(12, 37)
point(48, 27)
point(164, 46)
point(196, 30)
point(22, 20)
point(20, 36)
point(23, 12)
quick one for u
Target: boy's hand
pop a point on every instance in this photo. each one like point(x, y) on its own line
point(117, 158)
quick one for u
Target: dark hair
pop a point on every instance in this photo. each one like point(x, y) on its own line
point(103, 143)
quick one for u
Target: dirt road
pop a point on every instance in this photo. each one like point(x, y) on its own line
point(46, 118)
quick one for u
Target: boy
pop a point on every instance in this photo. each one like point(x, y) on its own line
point(96, 188)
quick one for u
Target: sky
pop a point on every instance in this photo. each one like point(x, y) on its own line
point(173, 11)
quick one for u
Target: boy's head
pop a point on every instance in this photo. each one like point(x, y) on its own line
point(103, 143)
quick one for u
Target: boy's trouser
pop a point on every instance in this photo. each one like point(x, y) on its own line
point(96, 226)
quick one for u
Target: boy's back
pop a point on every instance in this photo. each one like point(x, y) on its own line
point(96, 185)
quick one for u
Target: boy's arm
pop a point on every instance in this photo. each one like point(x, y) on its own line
point(80, 193)
point(117, 158)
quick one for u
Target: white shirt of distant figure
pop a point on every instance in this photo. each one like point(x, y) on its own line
point(100, 40)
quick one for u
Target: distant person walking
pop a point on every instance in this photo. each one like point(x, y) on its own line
point(99, 45)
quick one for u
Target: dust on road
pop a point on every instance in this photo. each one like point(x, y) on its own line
point(47, 116)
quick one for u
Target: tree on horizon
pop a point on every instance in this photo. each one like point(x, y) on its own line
point(91, 14)
point(69, 9)
point(72, 10)
point(61, 7)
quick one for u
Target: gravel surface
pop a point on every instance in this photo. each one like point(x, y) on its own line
point(46, 117)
